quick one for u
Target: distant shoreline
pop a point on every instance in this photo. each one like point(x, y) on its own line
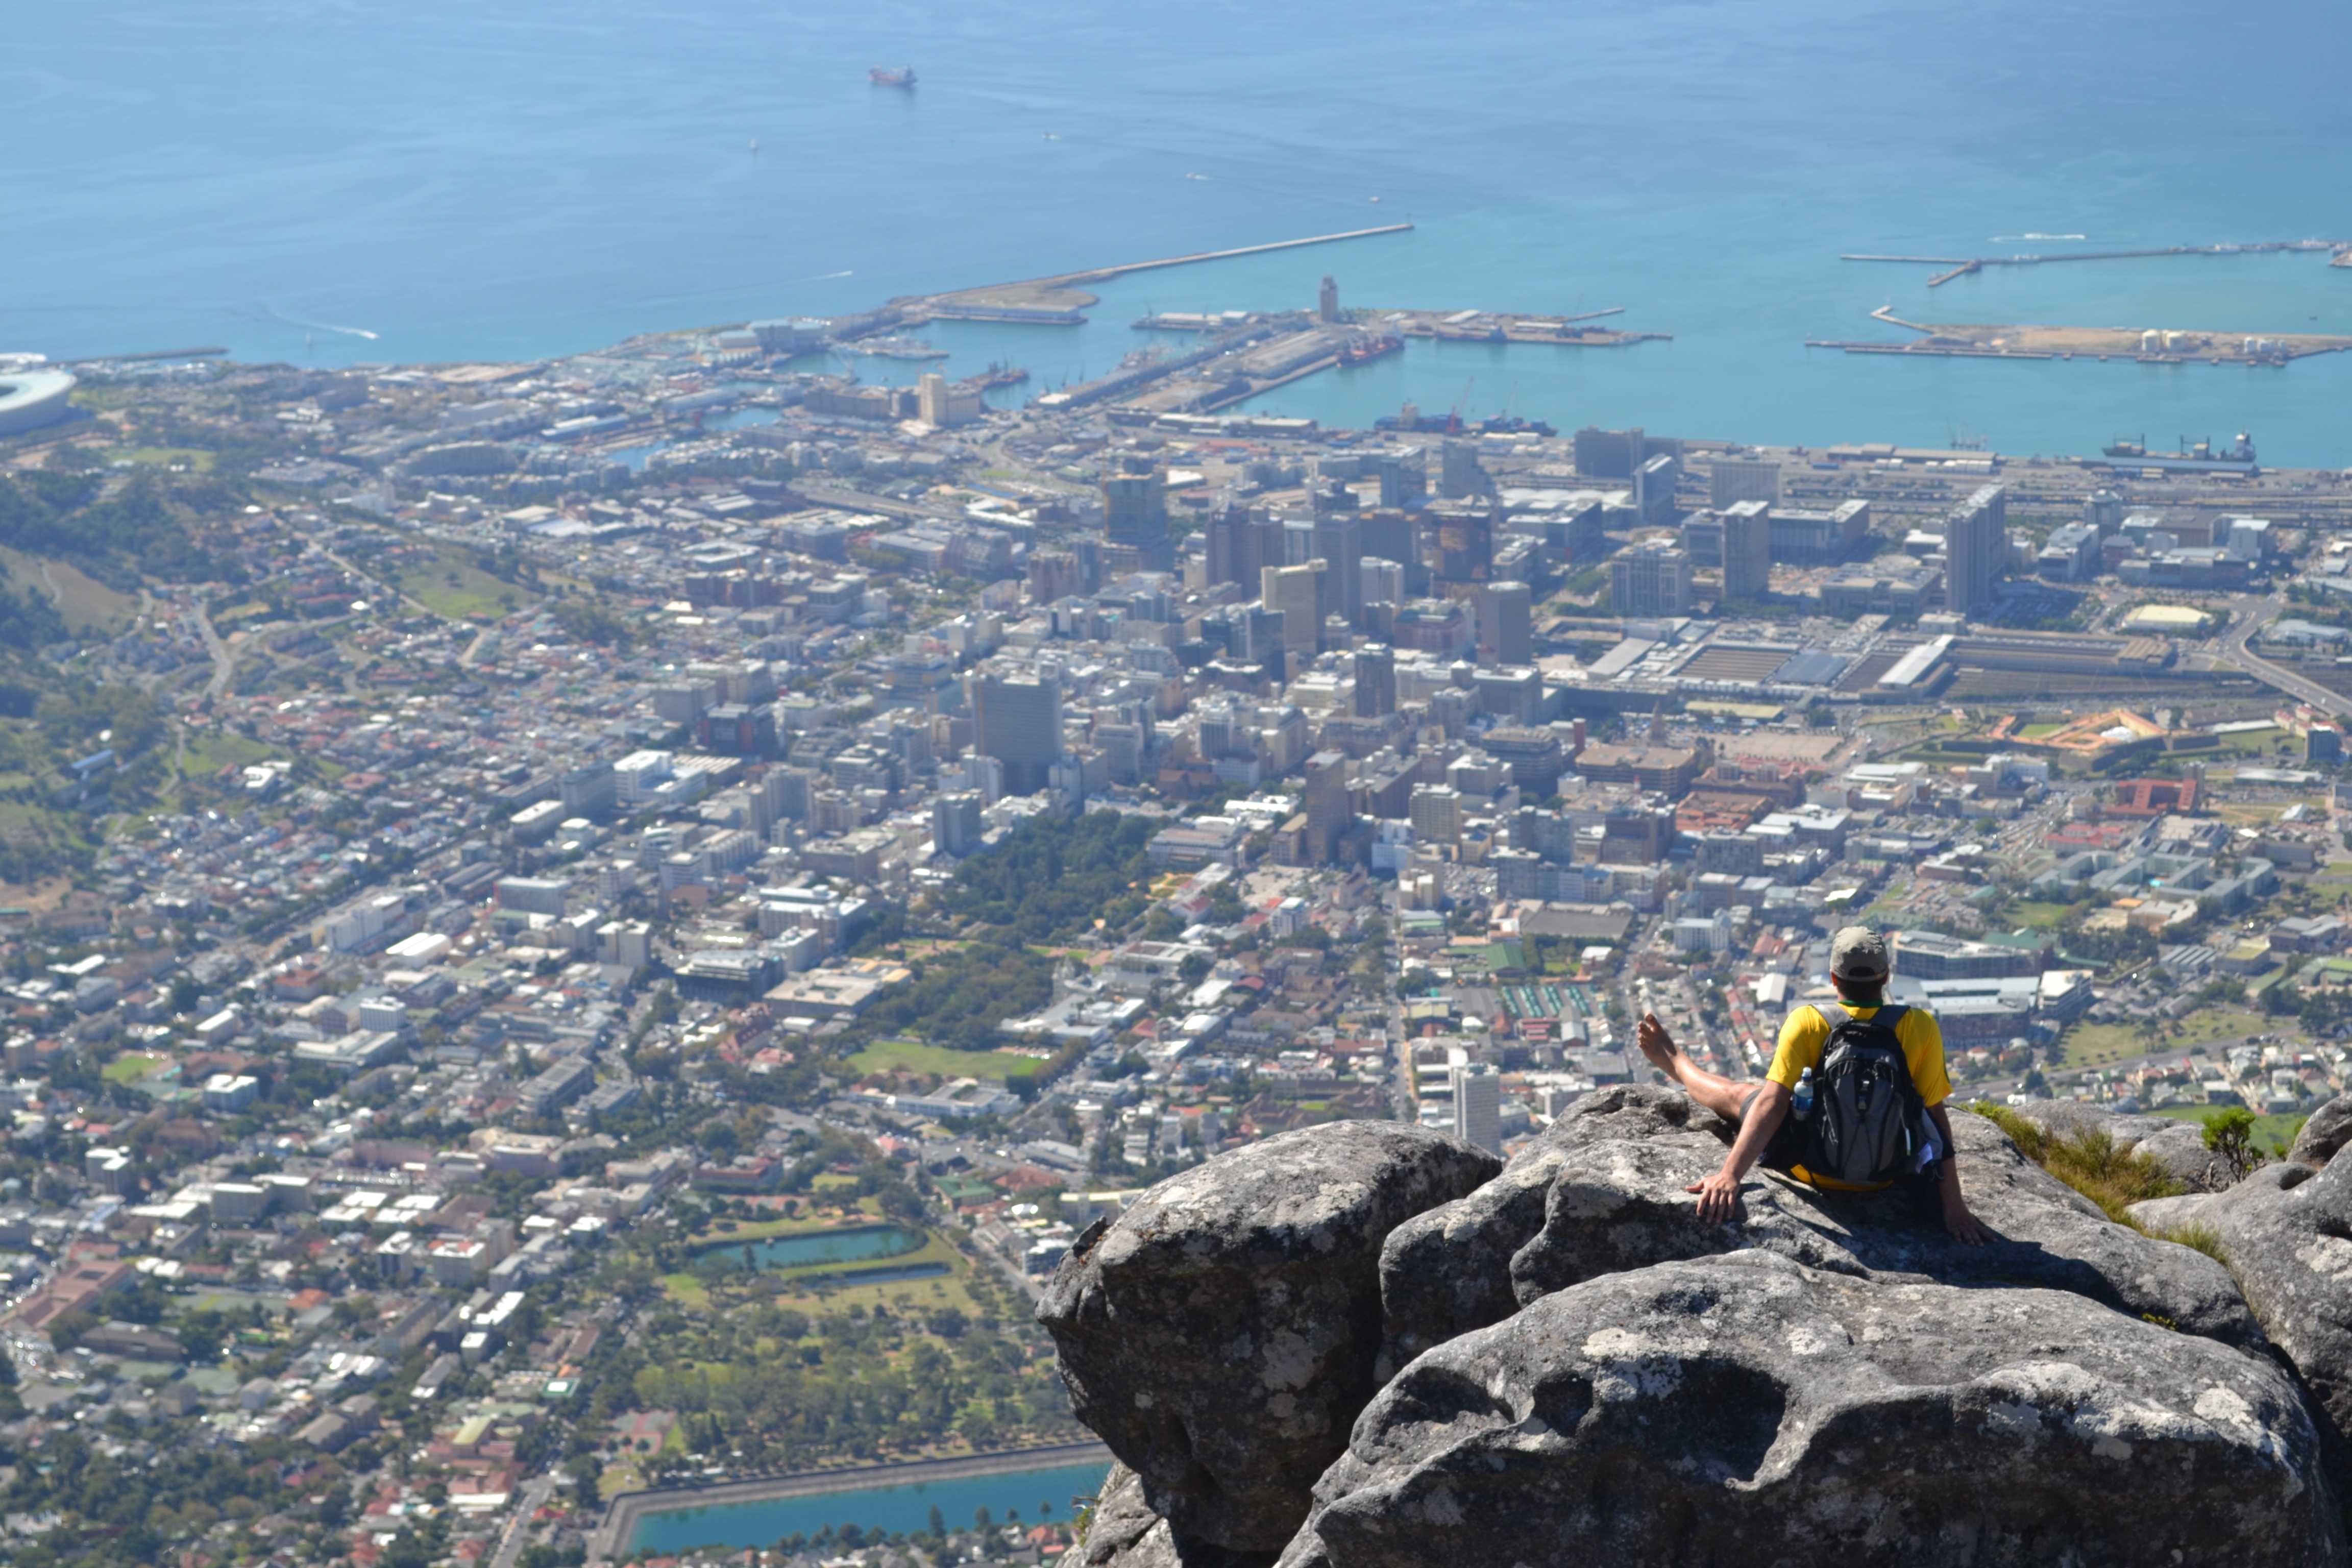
point(622, 1515)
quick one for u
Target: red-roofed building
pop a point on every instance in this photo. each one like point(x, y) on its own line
point(2156, 797)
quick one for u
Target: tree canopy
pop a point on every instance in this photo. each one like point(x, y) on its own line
point(1052, 878)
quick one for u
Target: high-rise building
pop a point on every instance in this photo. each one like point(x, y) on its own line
point(1747, 551)
point(1053, 575)
point(956, 822)
point(1403, 474)
point(1018, 720)
point(1976, 537)
point(1236, 546)
point(1394, 535)
point(1327, 301)
point(1459, 474)
point(1506, 615)
point(2105, 511)
point(1744, 479)
point(1339, 543)
point(1293, 593)
point(1135, 510)
point(1375, 680)
point(1478, 1106)
point(1618, 454)
point(1296, 535)
point(1654, 487)
point(1465, 542)
point(1437, 813)
point(1383, 581)
point(1652, 578)
point(1327, 806)
point(1124, 745)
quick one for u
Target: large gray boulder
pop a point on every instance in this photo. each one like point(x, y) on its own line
point(1125, 1533)
point(2177, 1145)
point(1220, 1336)
point(1749, 1410)
point(1611, 1173)
point(2288, 1233)
point(2324, 1133)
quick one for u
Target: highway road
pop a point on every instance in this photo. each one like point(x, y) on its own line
point(2247, 616)
point(866, 501)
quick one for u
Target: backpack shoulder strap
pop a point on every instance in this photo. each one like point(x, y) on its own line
point(1832, 1014)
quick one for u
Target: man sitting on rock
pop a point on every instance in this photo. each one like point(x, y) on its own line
point(1859, 969)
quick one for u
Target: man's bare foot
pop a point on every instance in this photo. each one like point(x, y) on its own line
point(1657, 1045)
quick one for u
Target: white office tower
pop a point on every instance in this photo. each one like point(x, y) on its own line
point(1478, 1107)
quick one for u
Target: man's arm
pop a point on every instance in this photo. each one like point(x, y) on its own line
point(1718, 1195)
point(1964, 1226)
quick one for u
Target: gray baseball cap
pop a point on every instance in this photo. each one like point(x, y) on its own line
point(1857, 952)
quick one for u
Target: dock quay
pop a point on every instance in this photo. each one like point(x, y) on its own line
point(1250, 353)
point(2140, 346)
point(1505, 327)
point(1445, 326)
point(1961, 266)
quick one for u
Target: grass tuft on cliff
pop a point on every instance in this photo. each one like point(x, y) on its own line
point(2088, 1159)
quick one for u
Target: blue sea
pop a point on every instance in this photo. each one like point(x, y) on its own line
point(340, 181)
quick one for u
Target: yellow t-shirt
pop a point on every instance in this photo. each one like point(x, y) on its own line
point(1806, 1033)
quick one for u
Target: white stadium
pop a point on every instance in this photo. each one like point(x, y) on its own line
point(31, 395)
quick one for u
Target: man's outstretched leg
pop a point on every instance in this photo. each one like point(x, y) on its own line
point(1721, 1095)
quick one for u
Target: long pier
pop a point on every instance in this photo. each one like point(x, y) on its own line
point(1961, 266)
point(1101, 274)
point(1058, 298)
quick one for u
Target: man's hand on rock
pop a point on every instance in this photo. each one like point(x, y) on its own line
point(1718, 1197)
point(1966, 1228)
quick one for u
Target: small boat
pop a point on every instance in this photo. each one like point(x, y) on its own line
point(898, 348)
point(883, 75)
point(1363, 351)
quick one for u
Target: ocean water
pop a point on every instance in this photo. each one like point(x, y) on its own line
point(340, 181)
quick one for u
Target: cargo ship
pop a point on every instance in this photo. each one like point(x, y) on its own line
point(883, 75)
point(2202, 452)
point(2201, 459)
point(1363, 351)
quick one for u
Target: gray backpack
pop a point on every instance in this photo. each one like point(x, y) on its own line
point(1864, 1104)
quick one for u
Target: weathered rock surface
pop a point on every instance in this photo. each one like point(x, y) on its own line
point(1747, 1410)
point(2178, 1146)
point(2324, 1135)
point(2288, 1232)
point(1126, 1534)
point(1612, 1172)
point(1220, 1336)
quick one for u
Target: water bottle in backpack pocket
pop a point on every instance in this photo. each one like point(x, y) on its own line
point(1864, 1103)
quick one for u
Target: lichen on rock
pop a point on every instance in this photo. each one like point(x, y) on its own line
point(1747, 1409)
point(1220, 1335)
